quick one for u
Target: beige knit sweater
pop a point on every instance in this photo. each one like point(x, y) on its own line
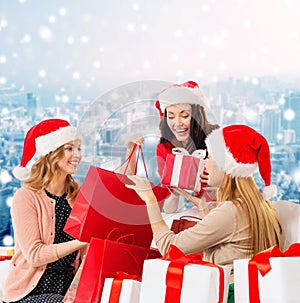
point(221, 235)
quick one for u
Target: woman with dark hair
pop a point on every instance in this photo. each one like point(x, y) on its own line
point(183, 124)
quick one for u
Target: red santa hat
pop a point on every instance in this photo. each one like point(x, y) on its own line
point(238, 150)
point(187, 92)
point(42, 139)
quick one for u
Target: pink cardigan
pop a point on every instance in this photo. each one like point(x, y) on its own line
point(33, 216)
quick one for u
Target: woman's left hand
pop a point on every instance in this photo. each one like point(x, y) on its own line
point(134, 139)
point(204, 179)
point(143, 188)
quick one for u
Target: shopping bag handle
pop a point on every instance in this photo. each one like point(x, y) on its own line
point(189, 217)
point(140, 154)
point(133, 257)
point(120, 237)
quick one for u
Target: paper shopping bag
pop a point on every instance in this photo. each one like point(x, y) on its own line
point(104, 204)
point(103, 260)
point(184, 222)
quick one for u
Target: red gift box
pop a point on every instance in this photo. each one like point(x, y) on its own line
point(183, 170)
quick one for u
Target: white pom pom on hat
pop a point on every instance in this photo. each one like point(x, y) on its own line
point(238, 150)
point(42, 139)
point(187, 92)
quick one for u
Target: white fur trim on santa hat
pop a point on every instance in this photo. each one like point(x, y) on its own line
point(181, 94)
point(269, 191)
point(21, 173)
point(224, 159)
point(50, 142)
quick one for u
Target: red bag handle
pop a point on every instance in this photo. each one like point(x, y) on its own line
point(120, 237)
point(127, 160)
point(133, 257)
point(140, 154)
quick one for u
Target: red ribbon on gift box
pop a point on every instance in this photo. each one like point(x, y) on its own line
point(116, 286)
point(261, 262)
point(3, 258)
point(174, 277)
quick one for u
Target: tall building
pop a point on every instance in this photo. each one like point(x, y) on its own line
point(31, 105)
point(5, 220)
point(292, 114)
point(270, 123)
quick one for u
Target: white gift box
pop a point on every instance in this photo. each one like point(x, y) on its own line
point(279, 285)
point(4, 268)
point(200, 283)
point(130, 291)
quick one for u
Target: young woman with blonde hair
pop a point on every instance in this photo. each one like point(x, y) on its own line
point(46, 258)
point(243, 222)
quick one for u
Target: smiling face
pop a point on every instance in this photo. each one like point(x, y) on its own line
point(179, 121)
point(71, 157)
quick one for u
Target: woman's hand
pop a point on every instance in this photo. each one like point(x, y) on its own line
point(143, 188)
point(134, 139)
point(204, 180)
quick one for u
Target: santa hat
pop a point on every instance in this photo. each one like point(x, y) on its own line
point(42, 139)
point(238, 150)
point(187, 92)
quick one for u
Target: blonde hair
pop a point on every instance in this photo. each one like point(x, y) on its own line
point(46, 170)
point(265, 229)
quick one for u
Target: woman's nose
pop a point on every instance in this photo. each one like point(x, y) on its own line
point(76, 152)
point(178, 121)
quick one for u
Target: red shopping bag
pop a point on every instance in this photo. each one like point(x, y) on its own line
point(183, 223)
point(103, 260)
point(104, 204)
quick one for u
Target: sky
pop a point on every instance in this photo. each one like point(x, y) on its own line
point(83, 48)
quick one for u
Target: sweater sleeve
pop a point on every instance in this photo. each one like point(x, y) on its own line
point(28, 229)
point(162, 150)
point(216, 228)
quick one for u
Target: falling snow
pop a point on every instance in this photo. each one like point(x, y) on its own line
point(47, 44)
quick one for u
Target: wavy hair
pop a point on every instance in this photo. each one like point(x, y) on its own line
point(265, 229)
point(46, 169)
point(200, 127)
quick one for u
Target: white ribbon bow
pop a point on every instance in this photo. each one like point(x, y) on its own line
point(198, 153)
